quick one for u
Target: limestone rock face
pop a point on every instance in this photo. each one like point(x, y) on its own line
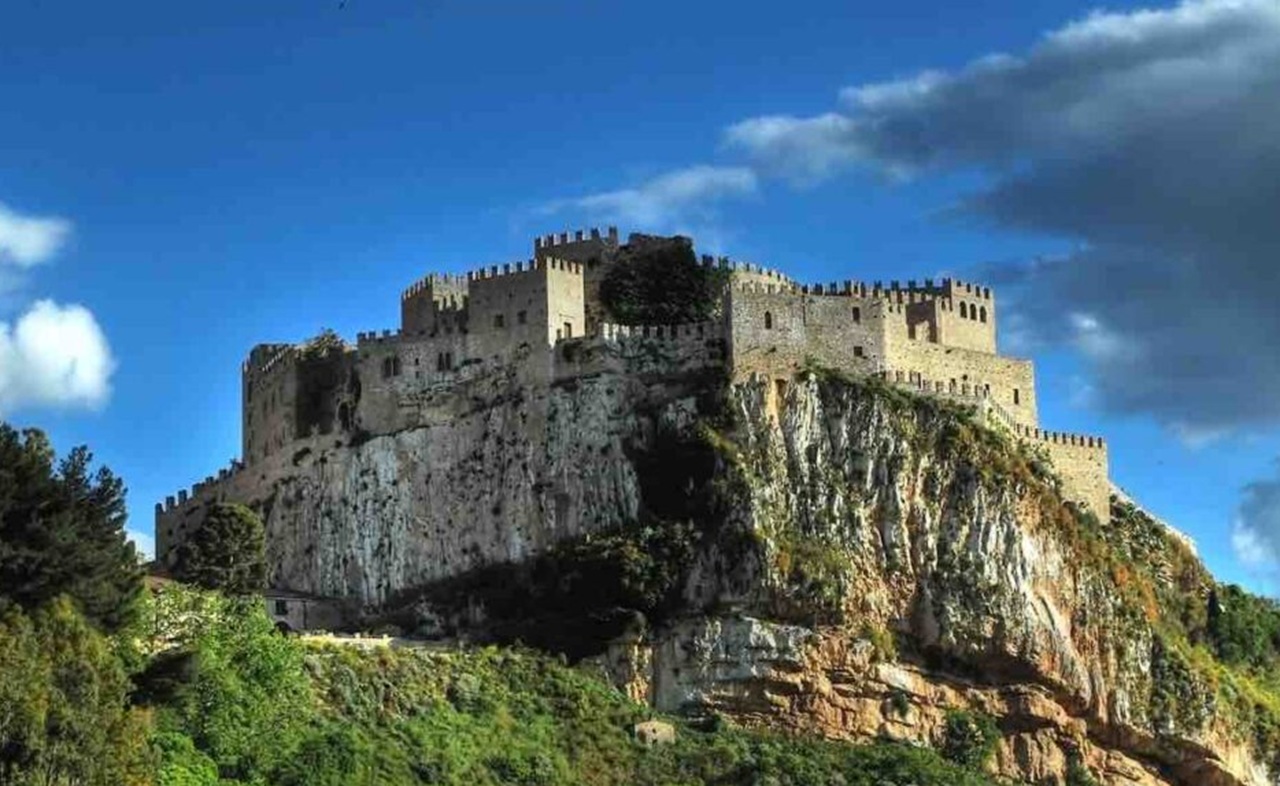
point(499, 480)
point(944, 589)
point(872, 570)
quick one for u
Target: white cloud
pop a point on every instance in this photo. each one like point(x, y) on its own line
point(664, 201)
point(802, 150)
point(26, 241)
point(54, 355)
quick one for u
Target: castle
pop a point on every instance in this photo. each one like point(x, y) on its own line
point(532, 322)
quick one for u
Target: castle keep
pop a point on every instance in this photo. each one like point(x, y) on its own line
point(479, 373)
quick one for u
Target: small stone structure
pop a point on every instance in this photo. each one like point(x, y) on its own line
point(540, 325)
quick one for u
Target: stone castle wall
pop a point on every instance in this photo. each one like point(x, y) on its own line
point(269, 389)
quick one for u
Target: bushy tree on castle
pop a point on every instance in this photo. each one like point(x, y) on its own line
point(659, 283)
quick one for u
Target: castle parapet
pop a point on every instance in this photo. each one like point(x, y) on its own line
point(580, 235)
point(693, 330)
point(522, 267)
point(442, 285)
point(374, 337)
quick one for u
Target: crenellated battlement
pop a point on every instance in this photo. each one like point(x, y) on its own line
point(441, 285)
point(1060, 437)
point(553, 240)
point(523, 268)
point(746, 268)
point(378, 337)
point(200, 488)
point(693, 330)
point(264, 358)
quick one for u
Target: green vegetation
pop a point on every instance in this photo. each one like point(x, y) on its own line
point(64, 715)
point(62, 532)
point(227, 552)
point(1078, 774)
point(970, 738)
point(281, 712)
point(660, 283)
point(1244, 629)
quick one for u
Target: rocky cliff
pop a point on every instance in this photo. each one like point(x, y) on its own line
point(906, 562)
point(823, 554)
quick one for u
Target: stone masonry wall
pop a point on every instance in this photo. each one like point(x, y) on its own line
point(772, 331)
point(1010, 380)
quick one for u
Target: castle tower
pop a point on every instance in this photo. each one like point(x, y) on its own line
point(434, 304)
point(594, 251)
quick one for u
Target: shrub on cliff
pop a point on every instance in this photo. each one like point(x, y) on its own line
point(62, 531)
point(1244, 628)
point(969, 738)
point(227, 553)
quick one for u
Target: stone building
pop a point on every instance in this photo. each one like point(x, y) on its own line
point(523, 333)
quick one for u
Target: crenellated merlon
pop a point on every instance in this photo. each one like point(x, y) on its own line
point(553, 240)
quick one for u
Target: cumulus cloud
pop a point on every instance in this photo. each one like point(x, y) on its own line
point(54, 355)
point(1256, 536)
point(1150, 138)
point(26, 241)
point(665, 201)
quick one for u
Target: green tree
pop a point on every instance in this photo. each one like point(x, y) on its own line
point(227, 552)
point(659, 283)
point(247, 704)
point(62, 531)
point(64, 716)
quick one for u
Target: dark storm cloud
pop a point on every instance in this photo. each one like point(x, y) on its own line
point(1152, 139)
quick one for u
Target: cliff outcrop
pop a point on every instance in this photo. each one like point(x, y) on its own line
point(824, 554)
point(905, 562)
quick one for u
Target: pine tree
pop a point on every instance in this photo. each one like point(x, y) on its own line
point(62, 531)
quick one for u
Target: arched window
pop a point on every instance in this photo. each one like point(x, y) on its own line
point(982, 313)
point(386, 367)
point(964, 311)
point(768, 320)
point(395, 366)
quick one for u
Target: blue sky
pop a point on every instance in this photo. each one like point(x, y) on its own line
point(181, 181)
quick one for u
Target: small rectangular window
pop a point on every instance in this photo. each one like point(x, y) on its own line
point(1016, 400)
point(857, 314)
point(498, 321)
point(857, 352)
point(522, 317)
point(568, 330)
point(282, 608)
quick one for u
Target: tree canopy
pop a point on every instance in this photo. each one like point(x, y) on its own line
point(227, 552)
point(62, 531)
point(659, 283)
